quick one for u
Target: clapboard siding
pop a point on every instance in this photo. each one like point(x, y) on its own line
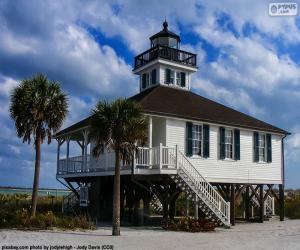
point(162, 75)
point(158, 131)
point(243, 171)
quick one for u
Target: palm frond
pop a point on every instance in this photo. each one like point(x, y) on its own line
point(38, 104)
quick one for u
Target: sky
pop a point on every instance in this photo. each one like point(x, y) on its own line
point(247, 60)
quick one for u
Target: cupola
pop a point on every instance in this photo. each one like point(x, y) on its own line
point(164, 63)
point(165, 38)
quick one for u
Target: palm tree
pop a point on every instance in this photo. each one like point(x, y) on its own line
point(38, 108)
point(117, 126)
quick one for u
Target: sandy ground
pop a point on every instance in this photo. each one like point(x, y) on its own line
point(269, 235)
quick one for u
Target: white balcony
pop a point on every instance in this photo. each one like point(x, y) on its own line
point(156, 160)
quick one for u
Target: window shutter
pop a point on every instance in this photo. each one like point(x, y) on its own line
point(182, 77)
point(144, 76)
point(237, 144)
point(205, 141)
point(153, 76)
point(189, 137)
point(256, 155)
point(269, 147)
point(222, 143)
point(168, 76)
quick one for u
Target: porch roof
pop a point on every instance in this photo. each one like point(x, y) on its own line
point(169, 101)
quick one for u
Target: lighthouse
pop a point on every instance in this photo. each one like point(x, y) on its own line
point(164, 63)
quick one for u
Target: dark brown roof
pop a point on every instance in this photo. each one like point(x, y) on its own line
point(179, 103)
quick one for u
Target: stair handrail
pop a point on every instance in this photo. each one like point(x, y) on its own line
point(206, 188)
point(69, 200)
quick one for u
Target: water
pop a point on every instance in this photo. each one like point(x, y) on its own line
point(42, 192)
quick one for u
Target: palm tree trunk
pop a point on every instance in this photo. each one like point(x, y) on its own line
point(116, 209)
point(35, 188)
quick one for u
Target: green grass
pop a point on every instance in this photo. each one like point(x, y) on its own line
point(15, 213)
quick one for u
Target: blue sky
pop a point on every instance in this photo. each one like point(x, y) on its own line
point(247, 60)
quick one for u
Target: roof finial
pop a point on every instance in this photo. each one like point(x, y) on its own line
point(165, 24)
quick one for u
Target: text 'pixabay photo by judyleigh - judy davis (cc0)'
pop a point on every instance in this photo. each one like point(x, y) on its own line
point(57, 247)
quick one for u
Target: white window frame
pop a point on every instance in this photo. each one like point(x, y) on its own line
point(172, 76)
point(262, 148)
point(147, 80)
point(178, 78)
point(199, 140)
point(229, 144)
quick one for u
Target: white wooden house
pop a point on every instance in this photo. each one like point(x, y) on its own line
point(210, 151)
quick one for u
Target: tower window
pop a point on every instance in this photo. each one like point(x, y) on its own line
point(170, 76)
point(145, 80)
point(178, 78)
point(182, 79)
point(153, 76)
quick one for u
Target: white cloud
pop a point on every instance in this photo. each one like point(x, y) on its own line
point(246, 62)
point(6, 85)
point(237, 99)
point(293, 146)
point(16, 150)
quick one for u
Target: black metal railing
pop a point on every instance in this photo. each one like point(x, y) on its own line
point(165, 52)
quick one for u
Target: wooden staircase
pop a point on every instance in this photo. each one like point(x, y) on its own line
point(171, 161)
point(194, 185)
point(69, 203)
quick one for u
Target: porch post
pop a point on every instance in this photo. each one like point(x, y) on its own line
point(262, 203)
point(160, 155)
point(150, 141)
point(150, 132)
point(68, 153)
point(247, 204)
point(232, 204)
point(58, 154)
point(281, 202)
point(85, 137)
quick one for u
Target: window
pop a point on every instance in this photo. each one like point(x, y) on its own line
point(153, 76)
point(261, 147)
point(228, 143)
point(178, 78)
point(182, 79)
point(170, 76)
point(145, 80)
point(196, 139)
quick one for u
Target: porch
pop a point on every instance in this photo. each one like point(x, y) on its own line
point(156, 160)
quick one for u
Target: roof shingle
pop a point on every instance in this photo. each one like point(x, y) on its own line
point(168, 101)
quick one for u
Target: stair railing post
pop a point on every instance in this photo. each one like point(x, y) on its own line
point(176, 156)
point(160, 155)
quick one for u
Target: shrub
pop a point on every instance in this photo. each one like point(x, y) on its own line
point(189, 224)
point(292, 208)
point(14, 213)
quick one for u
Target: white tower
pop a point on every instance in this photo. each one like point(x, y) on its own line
point(164, 63)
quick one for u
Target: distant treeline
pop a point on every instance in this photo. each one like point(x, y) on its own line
point(42, 191)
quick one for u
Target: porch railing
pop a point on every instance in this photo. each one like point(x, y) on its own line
point(156, 157)
point(72, 165)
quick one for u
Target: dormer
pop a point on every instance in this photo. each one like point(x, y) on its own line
point(164, 63)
